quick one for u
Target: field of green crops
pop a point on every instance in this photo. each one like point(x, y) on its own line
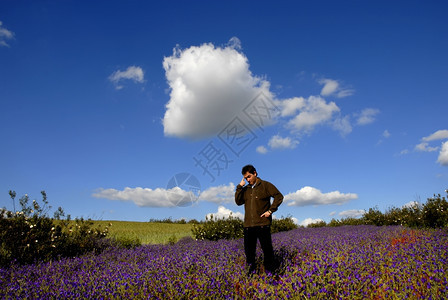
point(147, 232)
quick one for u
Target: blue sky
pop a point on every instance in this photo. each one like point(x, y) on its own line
point(126, 110)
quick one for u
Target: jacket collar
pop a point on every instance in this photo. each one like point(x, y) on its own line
point(257, 182)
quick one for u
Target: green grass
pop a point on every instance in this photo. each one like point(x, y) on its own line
point(147, 232)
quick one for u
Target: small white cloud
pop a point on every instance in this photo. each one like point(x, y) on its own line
point(332, 87)
point(277, 142)
point(424, 147)
point(367, 116)
point(5, 35)
point(386, 134)
point(438, 135)
point(262, 150)
point(219, 194)
point(309, 221)
point(443, 155)
point(315, 111)
point(224, 213)
point(312, 196)
point(352, 213)
point(133, 73)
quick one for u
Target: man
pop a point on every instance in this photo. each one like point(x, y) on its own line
point(256, 197)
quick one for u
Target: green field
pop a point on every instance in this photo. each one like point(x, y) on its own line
point(147, 232)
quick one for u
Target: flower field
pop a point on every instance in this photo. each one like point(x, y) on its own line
point(349, 262)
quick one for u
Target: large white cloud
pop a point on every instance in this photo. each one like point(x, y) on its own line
point(146, 197)
point(312, 196)
point(209, 87)
point(219, 194)
point(443, 155)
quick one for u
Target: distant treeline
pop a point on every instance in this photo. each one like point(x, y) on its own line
point(432, 214)
point(171, 221)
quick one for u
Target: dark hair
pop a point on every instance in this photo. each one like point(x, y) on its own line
point(248, 168)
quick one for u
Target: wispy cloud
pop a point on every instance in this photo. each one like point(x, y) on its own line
point(424, 147)
point(332, 87)
point(438, 135)
point(367, 116)
point(132, 73)
point(5, 35)
point(262, 149)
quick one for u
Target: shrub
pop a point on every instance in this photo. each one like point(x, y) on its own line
point(232, 228)
point(435, 212)
point(283, 224)
point(214, 229)
point(318, 224)
point(374, 217)
point(29, 235)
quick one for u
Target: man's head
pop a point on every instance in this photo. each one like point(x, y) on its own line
point(250, 174)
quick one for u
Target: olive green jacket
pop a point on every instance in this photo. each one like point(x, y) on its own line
point(257, 200)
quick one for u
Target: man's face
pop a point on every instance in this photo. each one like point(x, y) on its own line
point(250, 178)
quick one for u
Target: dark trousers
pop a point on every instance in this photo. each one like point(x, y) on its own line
point(263, 234)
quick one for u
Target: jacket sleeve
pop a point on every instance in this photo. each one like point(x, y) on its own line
point(278, 197)
point(239, 195)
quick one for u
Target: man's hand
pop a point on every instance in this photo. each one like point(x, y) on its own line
point(266, 214)
point(243, 182)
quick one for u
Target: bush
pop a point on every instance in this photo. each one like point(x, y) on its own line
point(374, 217)
point(318, 224)
point(216, 229)
point(432, 214)
point(30, 235)
point(435, 212)
point(283, 224)
point(232, 228)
